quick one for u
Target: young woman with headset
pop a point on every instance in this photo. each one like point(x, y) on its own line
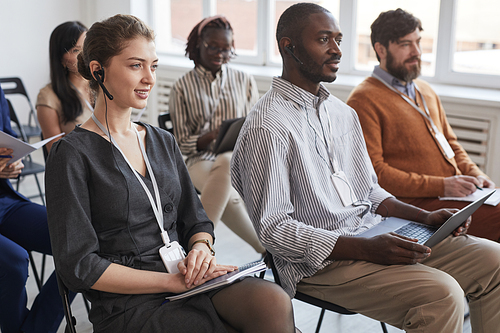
point(118, 193)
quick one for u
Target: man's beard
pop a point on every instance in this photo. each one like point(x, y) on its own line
point(400, 71)
point(310, 69)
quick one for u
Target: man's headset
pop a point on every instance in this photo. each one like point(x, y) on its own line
point(289, 48)
point(99, 77)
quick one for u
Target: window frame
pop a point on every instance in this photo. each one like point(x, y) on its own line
point(445, 45)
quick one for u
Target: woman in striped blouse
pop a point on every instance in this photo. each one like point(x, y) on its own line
point(200, 101)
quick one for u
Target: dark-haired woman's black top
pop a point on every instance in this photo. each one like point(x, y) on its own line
point(99, 213)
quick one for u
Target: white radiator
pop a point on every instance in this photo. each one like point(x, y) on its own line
point(473, 135)
point(163, 87)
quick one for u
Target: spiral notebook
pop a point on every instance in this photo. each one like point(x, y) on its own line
point(242, 271)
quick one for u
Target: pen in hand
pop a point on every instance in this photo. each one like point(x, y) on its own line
point(5, 156)
point(479, 188)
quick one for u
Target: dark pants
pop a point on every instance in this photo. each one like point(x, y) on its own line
point(23, 228)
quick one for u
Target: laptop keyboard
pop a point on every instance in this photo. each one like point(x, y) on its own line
point(419, 231)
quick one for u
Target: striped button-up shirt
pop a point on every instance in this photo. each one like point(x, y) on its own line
point(199, 102)
point(289, 148)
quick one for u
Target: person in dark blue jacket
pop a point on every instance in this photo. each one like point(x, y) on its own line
point(23, 228)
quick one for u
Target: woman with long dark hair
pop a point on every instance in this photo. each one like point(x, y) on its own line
point(66, 101)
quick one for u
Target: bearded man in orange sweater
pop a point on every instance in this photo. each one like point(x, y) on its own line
point(413, 149)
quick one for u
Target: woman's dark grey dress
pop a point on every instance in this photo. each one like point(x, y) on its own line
point(98, 213)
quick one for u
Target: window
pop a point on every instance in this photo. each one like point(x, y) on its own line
point(477, 37)
point(242, 14)
point(460, 40)
point(368, 10)
point(174, 21)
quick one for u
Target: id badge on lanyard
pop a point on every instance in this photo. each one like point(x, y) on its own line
point(343, 188)
point(172, 252)
point(444, 144)
point(340, 182)
point(441, 139)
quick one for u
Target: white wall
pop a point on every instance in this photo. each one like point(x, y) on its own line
point(25, 28)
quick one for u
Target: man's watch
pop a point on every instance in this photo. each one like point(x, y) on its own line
point(207, 242)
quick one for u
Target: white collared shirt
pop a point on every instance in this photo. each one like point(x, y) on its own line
point(280, 168)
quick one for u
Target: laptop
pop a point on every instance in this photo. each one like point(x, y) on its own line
point(426, 235)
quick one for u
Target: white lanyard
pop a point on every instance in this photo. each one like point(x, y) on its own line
point(412, 103)
point(324, 139)
point(209, 112)
point(88, 105)
point(439, 136)
point(156, 207)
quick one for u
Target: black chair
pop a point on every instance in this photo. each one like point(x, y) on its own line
point(39, 278)
point(30, 167)
point(70, 319)
point(165, 122)
point(324, 305)
point(12, 86)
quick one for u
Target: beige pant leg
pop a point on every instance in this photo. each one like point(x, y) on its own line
point(415, 298)
point(475, 264)
point(220, 200)
point(420, 298)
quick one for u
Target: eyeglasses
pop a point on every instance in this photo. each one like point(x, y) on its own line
point(213, 50)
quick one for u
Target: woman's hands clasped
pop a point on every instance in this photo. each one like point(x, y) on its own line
point(200, 266)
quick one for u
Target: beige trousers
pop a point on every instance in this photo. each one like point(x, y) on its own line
point(427, 297)
point(220, 200)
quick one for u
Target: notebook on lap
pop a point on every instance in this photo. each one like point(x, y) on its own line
point(427, 235)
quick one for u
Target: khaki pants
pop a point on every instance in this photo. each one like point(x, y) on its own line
point(220, 200)
point(426, 297)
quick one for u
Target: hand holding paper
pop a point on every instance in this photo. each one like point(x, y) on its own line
point(21, 148)
point(493, 200)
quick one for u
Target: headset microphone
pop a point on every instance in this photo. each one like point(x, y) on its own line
point(99, 77)
point(289, 49)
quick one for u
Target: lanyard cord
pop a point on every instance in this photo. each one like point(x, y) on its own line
point(439, 137)
point(323, 138)
point(412, 103)
point(156, 207)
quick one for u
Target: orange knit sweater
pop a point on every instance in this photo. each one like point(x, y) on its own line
point(405, 154)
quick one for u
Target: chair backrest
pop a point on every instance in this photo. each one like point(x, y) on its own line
point(18, 86)
point(270, 263)
point(70, 319)
point(14, 85)
point(165, 122)
point(15, 120)
point(44, 149)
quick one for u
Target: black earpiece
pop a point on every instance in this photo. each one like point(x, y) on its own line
point(99, 77)
point(289, 48)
